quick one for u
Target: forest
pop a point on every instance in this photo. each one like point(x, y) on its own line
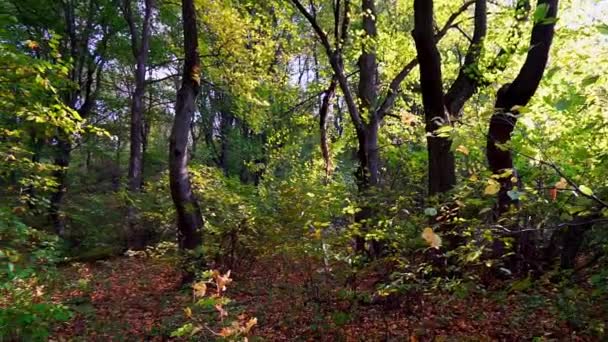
point(303, 170)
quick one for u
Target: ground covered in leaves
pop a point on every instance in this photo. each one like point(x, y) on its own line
point(140, 298)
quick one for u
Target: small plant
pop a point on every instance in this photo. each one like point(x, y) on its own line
point(208, 296)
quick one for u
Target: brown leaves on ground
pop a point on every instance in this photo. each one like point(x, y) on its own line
point(134, 298)
point(125, 298)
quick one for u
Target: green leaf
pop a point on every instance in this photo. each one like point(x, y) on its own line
point(430, 212)
point(603, 28)
point(183, 330)
point(514, 194)
point(585, 190)
point(589, 80)
point(540, 13)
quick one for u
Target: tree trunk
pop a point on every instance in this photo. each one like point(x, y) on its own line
point(517, 94)
point(140, 48)
point(226, 121)
point(86, 73)
point(61, 161)
point(441, 166)
point(189, 219)
point(323, 114)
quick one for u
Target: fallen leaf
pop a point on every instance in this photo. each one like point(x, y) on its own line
point(431, 238)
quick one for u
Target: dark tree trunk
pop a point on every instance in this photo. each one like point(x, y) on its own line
point(226, 121)
point(86, 73)
point(441, 167)
point(189, 219)
point(516, 94)
point(439, 109)
point(61, 161)
point(573, 240)
point(469, 76)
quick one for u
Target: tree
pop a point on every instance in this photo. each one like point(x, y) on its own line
point(513, 96)
point(368, 110)
point(140, 46)
point(85, 29)
point(189, 219)
point(440, 110)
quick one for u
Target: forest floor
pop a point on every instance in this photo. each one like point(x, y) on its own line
point(140, 298)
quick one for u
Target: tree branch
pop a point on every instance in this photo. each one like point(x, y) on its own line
point(395, 85)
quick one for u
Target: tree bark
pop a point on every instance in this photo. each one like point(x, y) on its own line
point(226, 122)
point(61, 162)
point(441, 166)
point(189, 219)
point(441, 109)
point(140, 48)
point(86, 73)
point(323, 114)
point(517, 94)
point(469, 76)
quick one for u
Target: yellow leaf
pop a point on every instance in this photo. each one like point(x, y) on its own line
point(431, 238)
point(188, 312)
point(562, 184)
point(250, 323)
point(199, 289)
point(492, 188)
point(221, 280)
point(31, 44)
point(462, 149)
point(408, 118)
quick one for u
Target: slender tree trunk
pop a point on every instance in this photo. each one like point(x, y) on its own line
point(61, 161)
point(514, 95)
point(323, 114)
point(87, 74)
point(140, 48)
point(189, 218)
point(226, 121)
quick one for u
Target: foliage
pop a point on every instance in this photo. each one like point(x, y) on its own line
point(212, 303)
point(272, 211)
point(28, 258)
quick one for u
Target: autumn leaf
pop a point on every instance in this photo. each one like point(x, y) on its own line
point(431, 238)
point(492, 188)
point(562, 184)
point(231, 330)
point(188, 312)
point(250, 323)
point(199, 289)
point(221, 280)
point(553, 194)
point(31, 44)
point(462, 149)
